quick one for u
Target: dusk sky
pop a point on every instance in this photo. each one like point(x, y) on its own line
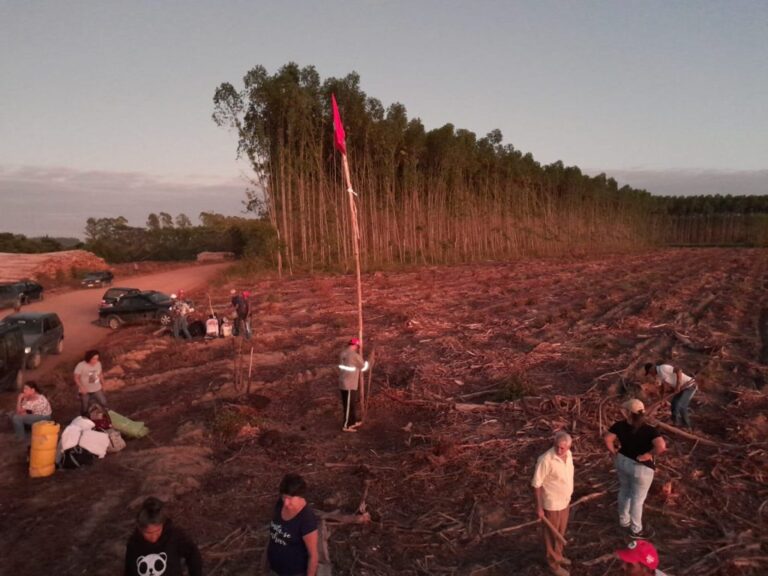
point(105, 107)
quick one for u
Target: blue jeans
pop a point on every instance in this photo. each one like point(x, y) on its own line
point(22, 420)
point(635, 480)
point(243, 327)
point(85, 401)
point(680, 403)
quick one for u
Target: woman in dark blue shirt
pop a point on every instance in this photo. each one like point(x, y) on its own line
point(292, 549)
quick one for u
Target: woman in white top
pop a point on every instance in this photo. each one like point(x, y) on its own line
point(31, 407)
point(683, 385)
point(88, 379)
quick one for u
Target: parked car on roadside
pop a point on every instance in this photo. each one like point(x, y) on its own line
point(139, 308)
point(114, 294)
point(97, 279)
point(12, 357)
point(29, 290)
point(10, 297)
point(43, 333)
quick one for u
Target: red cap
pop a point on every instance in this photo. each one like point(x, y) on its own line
point(640, 551)
point(354, 342)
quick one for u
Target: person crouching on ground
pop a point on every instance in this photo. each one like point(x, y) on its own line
point(292, 548)
point(683, 386)
point(640, 558)
point(31, 406)
point(553, 486)
point(158, 547)
point(88, 378)
point(351, 364)
point(639, 444)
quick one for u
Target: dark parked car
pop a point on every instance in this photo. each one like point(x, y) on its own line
point(43, 333)
point(12, 356)
point(97, 279)
point(14, 294)
point(143, 307)
point(114, 294)
point(10, 297)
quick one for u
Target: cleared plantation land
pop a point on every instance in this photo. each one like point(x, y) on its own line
point(475, 367)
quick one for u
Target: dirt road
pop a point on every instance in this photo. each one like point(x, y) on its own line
point(78, 309)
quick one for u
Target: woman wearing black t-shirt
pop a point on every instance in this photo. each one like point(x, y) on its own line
point(292, 548)
point(638, 444)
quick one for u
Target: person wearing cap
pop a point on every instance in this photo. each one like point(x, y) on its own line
point(640, 558)
point(683, 386)
point(351, 364)
point(638, 445)
point(553, 486)
point(179, 312)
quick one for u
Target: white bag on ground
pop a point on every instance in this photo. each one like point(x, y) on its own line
point(95, 442)
point(70, 437)
point(116, 442)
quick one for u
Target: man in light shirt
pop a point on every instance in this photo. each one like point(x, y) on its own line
point(553, 486)
point(683, 385)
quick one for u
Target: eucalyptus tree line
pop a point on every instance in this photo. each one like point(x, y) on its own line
point(442, 195)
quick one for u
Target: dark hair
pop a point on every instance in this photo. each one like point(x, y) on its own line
point(151, 512)
point(293, 485)
point(648, 368)
point(32, 384)
point(90, 354)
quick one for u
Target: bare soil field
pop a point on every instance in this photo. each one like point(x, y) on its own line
point(475, 367)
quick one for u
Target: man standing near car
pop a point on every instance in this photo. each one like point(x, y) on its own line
point(88, 379)
point(179, 311)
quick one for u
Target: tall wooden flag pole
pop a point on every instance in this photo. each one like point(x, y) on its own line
point(341, 146)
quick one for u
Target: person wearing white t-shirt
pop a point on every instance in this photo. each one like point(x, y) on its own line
point(683, 386)
point(88, 379)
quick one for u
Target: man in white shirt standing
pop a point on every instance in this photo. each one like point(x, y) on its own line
point(553, 486)
point(683, 385)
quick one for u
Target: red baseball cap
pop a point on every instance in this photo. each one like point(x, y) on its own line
point(354, 342)
point(640, 551)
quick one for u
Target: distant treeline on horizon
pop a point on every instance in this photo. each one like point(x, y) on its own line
point(441, 195)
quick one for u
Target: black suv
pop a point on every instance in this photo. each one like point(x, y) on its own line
point(12, 357)
point(141, 307)
point(43, 334)
point(112, 295)
point(97, 279)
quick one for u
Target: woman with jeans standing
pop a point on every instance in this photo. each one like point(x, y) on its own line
point(88, 379)
point(638, 445)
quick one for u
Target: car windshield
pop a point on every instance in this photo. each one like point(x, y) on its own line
point(92, 276)
point(28, 326)
point(159, 297)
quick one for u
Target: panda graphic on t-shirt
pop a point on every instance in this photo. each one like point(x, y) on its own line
point(152, 564)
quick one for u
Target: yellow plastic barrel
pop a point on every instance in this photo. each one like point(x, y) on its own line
point(42, 455)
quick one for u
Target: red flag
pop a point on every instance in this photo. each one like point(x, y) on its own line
point(338, 128)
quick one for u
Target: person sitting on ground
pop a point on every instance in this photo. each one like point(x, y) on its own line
point(640, 558)
point(639, 443)
point(292, 548)
point(31, 406)
point(88, 379)
point(553, 486)
point(157, 546)
point(351, 364)
point(683, 386)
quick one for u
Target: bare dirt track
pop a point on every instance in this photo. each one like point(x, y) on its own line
point(475, 367)
point(78, 309)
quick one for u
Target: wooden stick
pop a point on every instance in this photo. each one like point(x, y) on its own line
point(554, 531)
point(356, 251)
point(694, 437)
